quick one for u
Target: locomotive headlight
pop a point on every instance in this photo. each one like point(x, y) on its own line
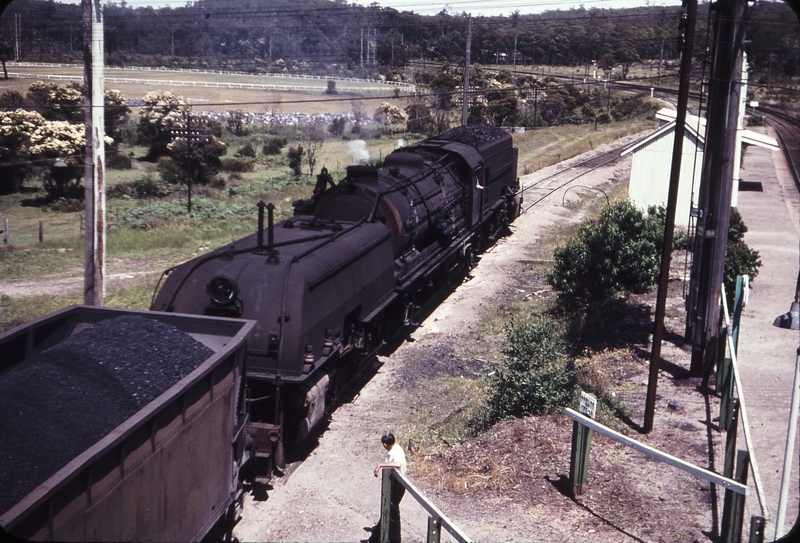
point(223, 290)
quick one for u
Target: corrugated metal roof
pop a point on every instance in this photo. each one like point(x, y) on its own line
point(699, 125)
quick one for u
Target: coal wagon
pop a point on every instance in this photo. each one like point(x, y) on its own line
point(169, 471)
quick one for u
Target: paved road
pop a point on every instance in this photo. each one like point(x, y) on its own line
point(767, 353)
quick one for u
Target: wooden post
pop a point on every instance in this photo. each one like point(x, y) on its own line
point(5, 231)
point(386, 503)
point(757, 529)
point(41, 231)
point(730, 439)
point(733, 508)
point(434, 530)
point(579, 459)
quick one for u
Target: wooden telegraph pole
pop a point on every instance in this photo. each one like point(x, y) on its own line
point(688, 19)
point(94, 173)
point(465, 105)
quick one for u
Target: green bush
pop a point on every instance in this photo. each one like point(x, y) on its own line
point(756, 120)
point(246, 151)
point(118, 161)
point(617, 253)
point(237, 165)
point(273, 146)
point(739, 258)
point(538, 377)
point(170, 172)
point(145, 187)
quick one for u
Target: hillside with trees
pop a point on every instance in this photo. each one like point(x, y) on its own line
point(334, 37)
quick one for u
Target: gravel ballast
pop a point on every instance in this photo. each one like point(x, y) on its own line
point(57, 404)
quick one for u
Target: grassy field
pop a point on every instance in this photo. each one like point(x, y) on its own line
point(150, 235)
point(313, 100)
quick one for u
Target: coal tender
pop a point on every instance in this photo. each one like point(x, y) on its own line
point(120, 425)
point(349, 270)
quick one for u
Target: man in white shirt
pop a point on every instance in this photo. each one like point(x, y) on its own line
point(395, 459)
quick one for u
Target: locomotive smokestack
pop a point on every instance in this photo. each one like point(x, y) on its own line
point(271, 231)
point(261, 205)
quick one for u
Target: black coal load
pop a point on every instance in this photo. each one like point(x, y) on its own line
point(475, 135)
point(59, 403)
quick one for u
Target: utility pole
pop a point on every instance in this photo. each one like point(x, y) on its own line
point(714, 198)
point(465, 105)
point(94, 174)
point(688, 19)
point(515, 55)
point(17, 40)
point(361, 60)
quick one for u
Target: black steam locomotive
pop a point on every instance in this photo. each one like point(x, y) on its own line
point(348, 271)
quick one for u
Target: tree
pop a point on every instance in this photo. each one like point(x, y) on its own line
point(617, 253)
point(11, 100)
point(295, 156)
point(116, 115)
point(739, 258)
point(236, 122)
point(391, 117)
point(16, 128)
point(162, 112)
point(200, 157)
point(313, 139)
point(65, 143)
point(6, 54)
point(56, 103)
point(337, 126)
point(358, 115)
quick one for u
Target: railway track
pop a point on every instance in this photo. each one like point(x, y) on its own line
point(542, 188)
point(786, 124)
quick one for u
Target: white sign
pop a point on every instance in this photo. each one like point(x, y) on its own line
point(588, 404)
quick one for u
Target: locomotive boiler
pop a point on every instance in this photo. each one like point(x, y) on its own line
point(348, 271)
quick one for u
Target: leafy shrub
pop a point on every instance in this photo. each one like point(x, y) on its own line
point(246, 151)
point(538, 376)
point(337, 126)
point(295, 156)
point(118, 161)
point(237, 165)
point(170, 172)
point(617, 253)
point(145, 187)
point(273, 146)
point(331, 88)
point(739, 258)
point(756, 120)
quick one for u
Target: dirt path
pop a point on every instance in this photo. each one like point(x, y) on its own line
point(332, 494)
point(65, 285)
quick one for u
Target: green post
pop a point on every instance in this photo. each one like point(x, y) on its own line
point(730, 439)
point(720, 359)
point(733, 508)
point(434, 530)
point(757, 525)
point(579, 459)
point(726, 393)
point(386, 502)
point(738, 303)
